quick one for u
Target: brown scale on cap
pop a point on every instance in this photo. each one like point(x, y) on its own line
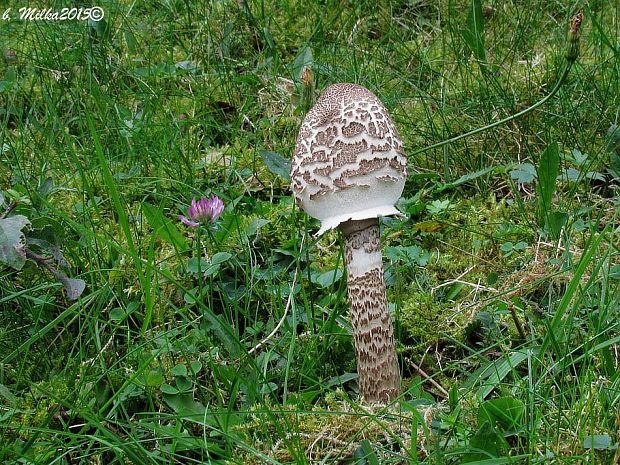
point(347, 126)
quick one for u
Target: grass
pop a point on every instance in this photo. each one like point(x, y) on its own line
point(503, 278)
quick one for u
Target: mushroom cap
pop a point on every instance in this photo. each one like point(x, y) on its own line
point(349, 162)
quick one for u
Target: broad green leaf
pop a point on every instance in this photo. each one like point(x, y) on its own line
point(340, 379)
point(101, 29)
point(220, 257)
point(48, 235)
point(195, 366)
point(48, 229)
point(556, 222)
point(277, 164)
point(486, 443)
point(198, 265)
point(179, 370)
point(612, 139)
point(595, 175)
point(183, 383)
point(212, 270)
point(428, 226)
point(167, 389)
point(328, 278)
point(191, 296)
point(130, 40)
point(579, 158)
point(505, 412)
point(507, 247)
point(614, 165)
point(164, 227)
point(547, 175)
point(599, 442)
point(612, 145)
point(410, 255)
point(268, 388)
point(7, 394)
point(46, 187)
point(474, 34)
point(255, 225)
point(117, 314)
point(8, 80)
point(152, 378)
point(268, 38)
point(523, 173)
point(438, 206)
point(186, 406)
point(187, 65)
point(571, 174)
point(183, 440)
point(365, 455)
point(303, 59)
point(133, 172)
point(496, 371)
point(13, 241)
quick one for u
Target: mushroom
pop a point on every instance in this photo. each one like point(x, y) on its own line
point(348, 169)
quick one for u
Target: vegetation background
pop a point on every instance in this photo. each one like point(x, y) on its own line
point(129, 338)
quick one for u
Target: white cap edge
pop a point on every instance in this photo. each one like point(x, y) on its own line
point(375, 212)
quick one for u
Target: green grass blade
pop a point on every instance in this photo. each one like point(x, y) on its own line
point(497, 370)
point(164, 227)
point(474, 34)
point(547, 175)
point(554, 326)
point(124, 223)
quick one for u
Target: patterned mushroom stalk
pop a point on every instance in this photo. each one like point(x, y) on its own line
point(348, 169)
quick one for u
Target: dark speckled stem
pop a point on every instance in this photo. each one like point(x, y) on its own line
point(373, 331)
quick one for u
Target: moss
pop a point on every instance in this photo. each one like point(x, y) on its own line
point(37, 405)
point(425, 321)
point(327, 433)
point(477, 228)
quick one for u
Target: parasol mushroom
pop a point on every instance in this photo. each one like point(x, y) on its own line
point(348, 169)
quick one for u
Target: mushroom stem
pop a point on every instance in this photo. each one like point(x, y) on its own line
point(373, 332)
